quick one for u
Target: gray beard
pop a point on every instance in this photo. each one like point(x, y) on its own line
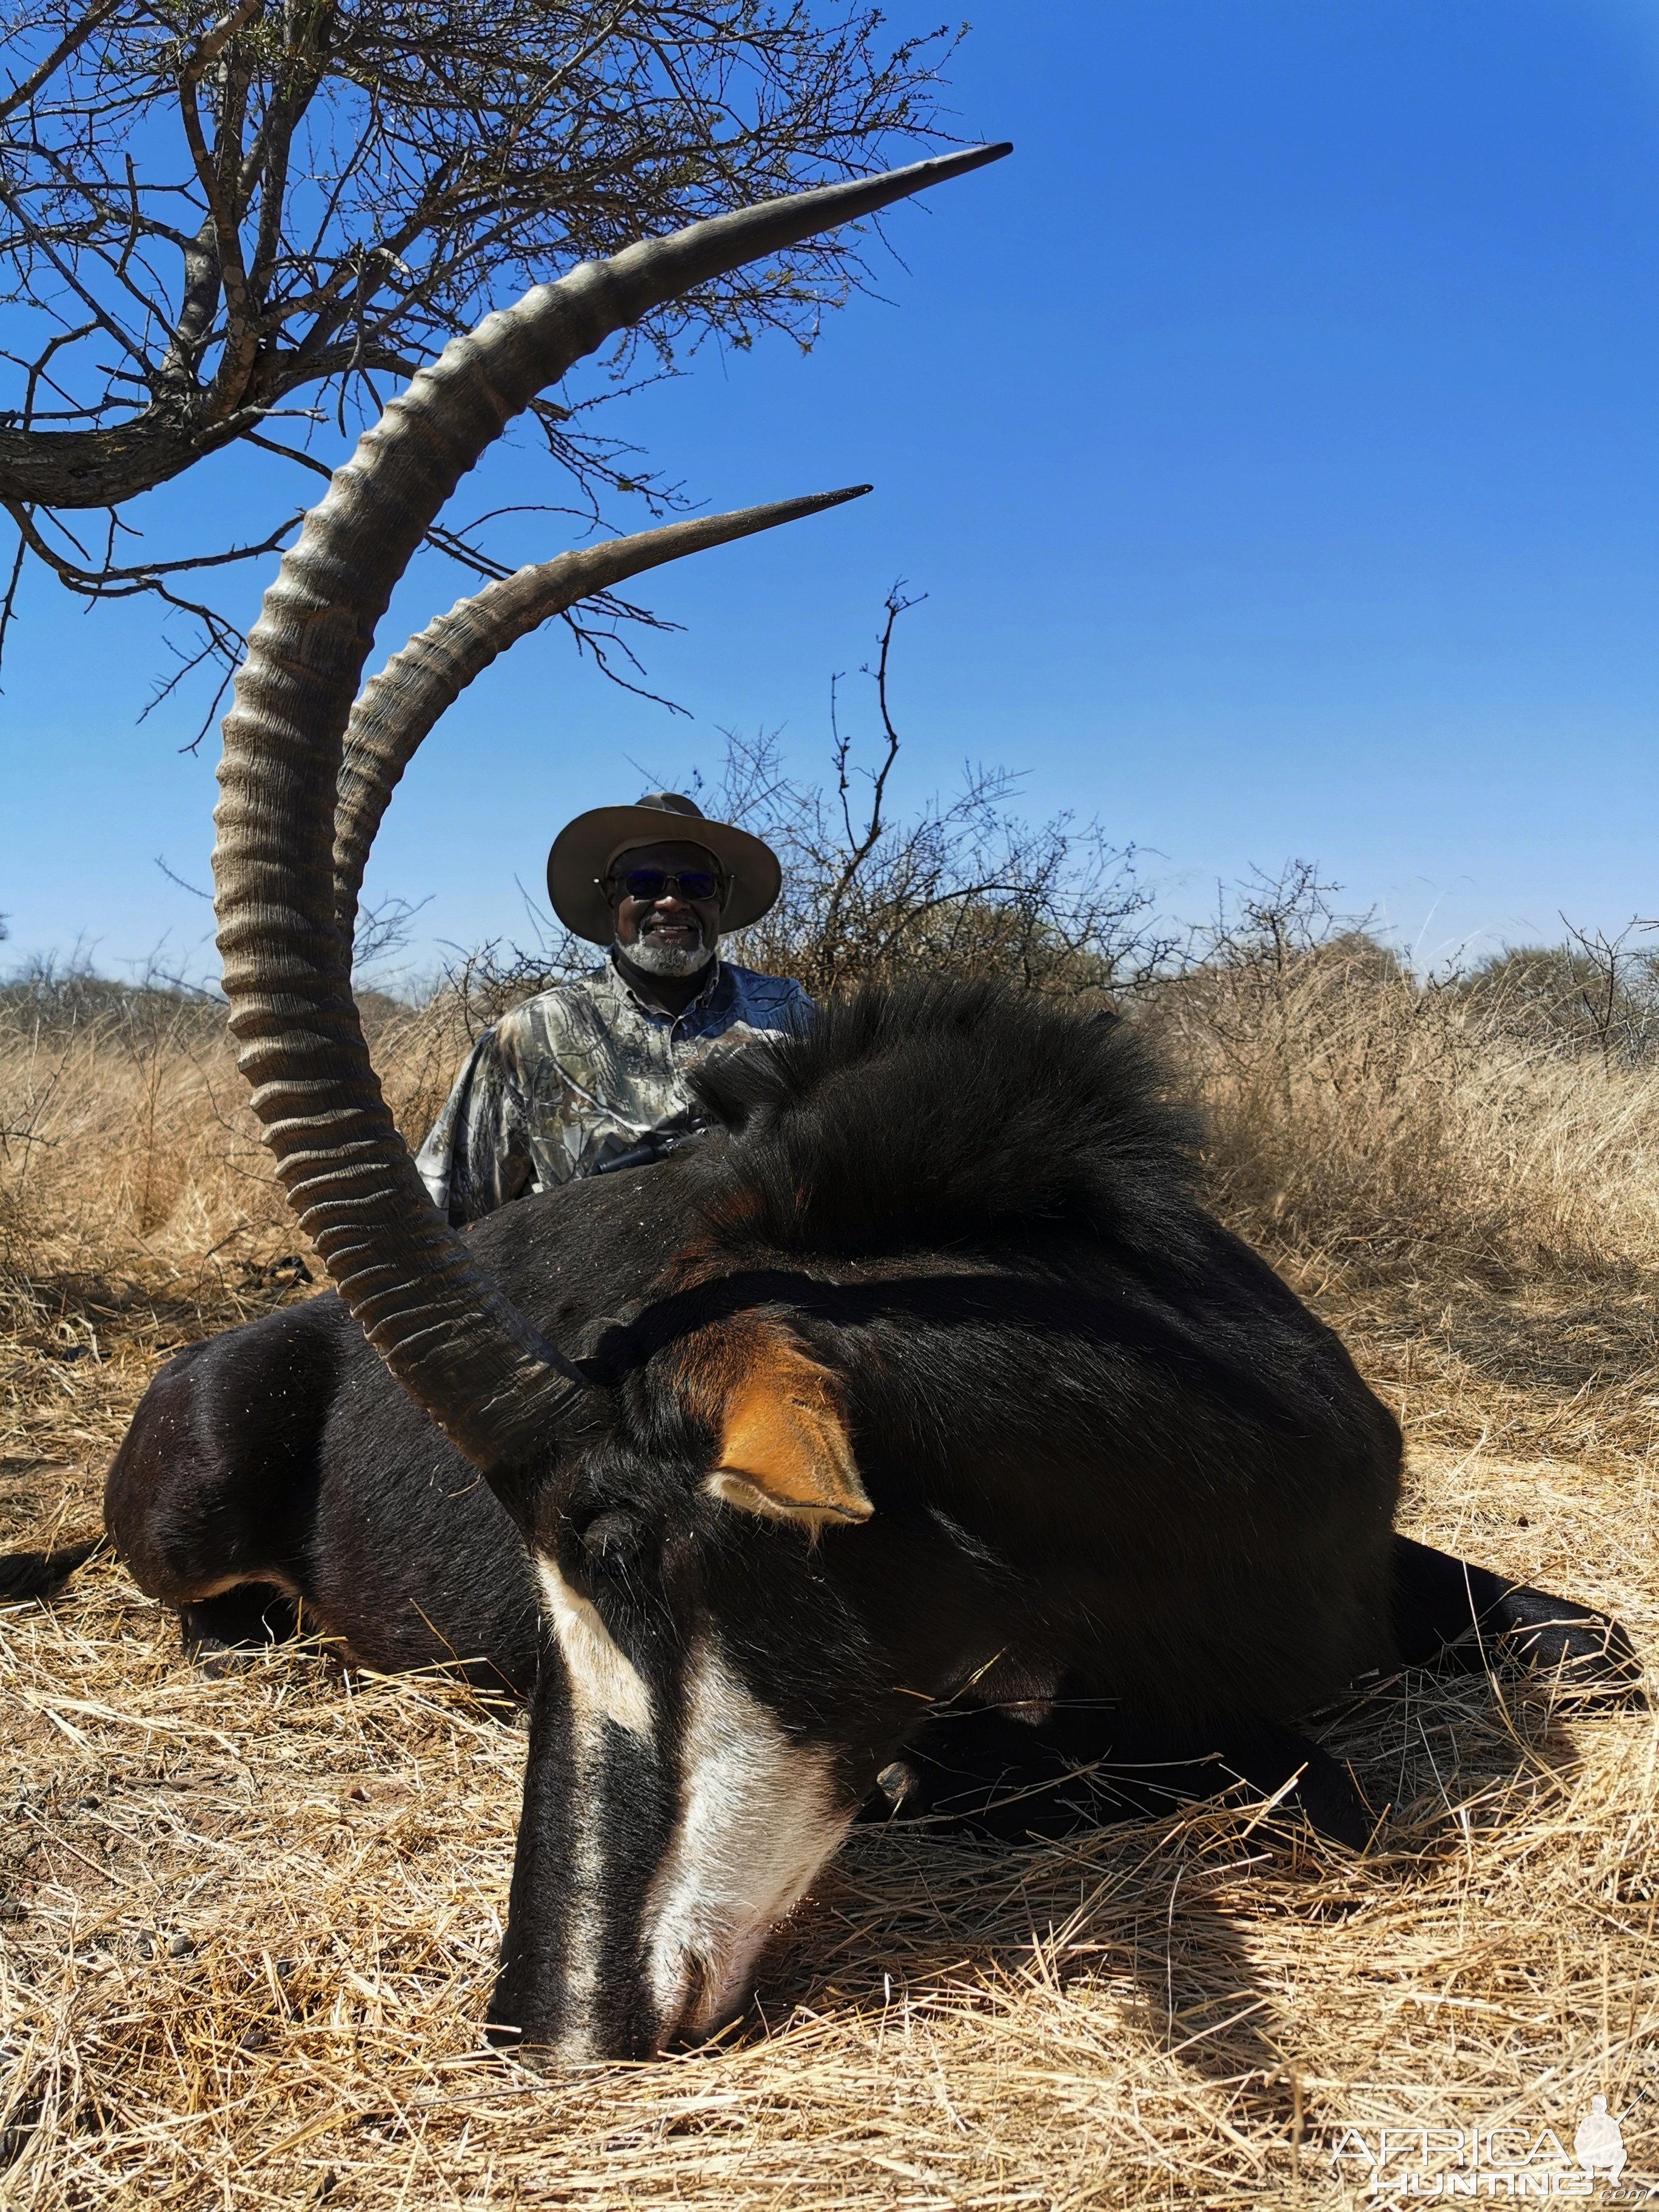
point(667, 959)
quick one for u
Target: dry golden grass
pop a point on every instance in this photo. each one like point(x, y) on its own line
point(1356, 1115)
point(127, 1149)
point(249, 1920)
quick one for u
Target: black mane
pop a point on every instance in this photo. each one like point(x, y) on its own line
point(944, 1112)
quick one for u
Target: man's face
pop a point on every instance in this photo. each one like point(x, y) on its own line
point(661, 927)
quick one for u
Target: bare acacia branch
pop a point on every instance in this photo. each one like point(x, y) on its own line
point(8, 606)
point(173, 877)
point(861, 844)
point(276, 207)
point(74, 38)
point(107, 583)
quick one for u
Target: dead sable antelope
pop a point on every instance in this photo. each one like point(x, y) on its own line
point(918, 1426)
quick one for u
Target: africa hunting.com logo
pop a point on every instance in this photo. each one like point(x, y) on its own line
point(1494, 2161)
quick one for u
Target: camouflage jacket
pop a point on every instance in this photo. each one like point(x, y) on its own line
point(582, 1075)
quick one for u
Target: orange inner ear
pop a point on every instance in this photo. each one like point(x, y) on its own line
point(784, 1449)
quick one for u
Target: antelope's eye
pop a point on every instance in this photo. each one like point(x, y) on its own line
point(613, 1534)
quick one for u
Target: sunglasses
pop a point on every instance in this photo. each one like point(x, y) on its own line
point(651, 884)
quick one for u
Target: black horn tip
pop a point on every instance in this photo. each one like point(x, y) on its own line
point(786, 510)
point(972, 157)
point(918, 176)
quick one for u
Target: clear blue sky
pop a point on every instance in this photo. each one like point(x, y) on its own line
point(1276, 434)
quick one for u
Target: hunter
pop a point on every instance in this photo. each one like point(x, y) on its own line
point(592, 1075)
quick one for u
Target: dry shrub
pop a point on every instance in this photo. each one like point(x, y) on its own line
point(123, 1137)
point(1359, 1117)
point(127, 1148)
point(1362, 1118)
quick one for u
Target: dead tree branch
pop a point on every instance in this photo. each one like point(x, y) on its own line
point(217, 217)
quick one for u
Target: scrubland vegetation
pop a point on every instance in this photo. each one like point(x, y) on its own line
point(250, 1919)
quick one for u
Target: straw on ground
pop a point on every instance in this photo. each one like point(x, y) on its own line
point(250, 1919)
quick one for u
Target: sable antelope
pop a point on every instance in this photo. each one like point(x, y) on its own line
point(926, 1382)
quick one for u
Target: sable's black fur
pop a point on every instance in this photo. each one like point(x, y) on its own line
point(43, 1574)
point(1114, 1464)
point(934, 1112)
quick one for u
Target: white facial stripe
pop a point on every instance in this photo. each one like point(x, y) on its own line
point(604, 1685)
point(758, 1817)
point(586, 1815)
point(603, 1679)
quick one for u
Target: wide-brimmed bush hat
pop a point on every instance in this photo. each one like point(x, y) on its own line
point(584, 849)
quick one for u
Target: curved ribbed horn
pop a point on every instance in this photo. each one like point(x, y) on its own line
point(396, 709)
point(452, 1338)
